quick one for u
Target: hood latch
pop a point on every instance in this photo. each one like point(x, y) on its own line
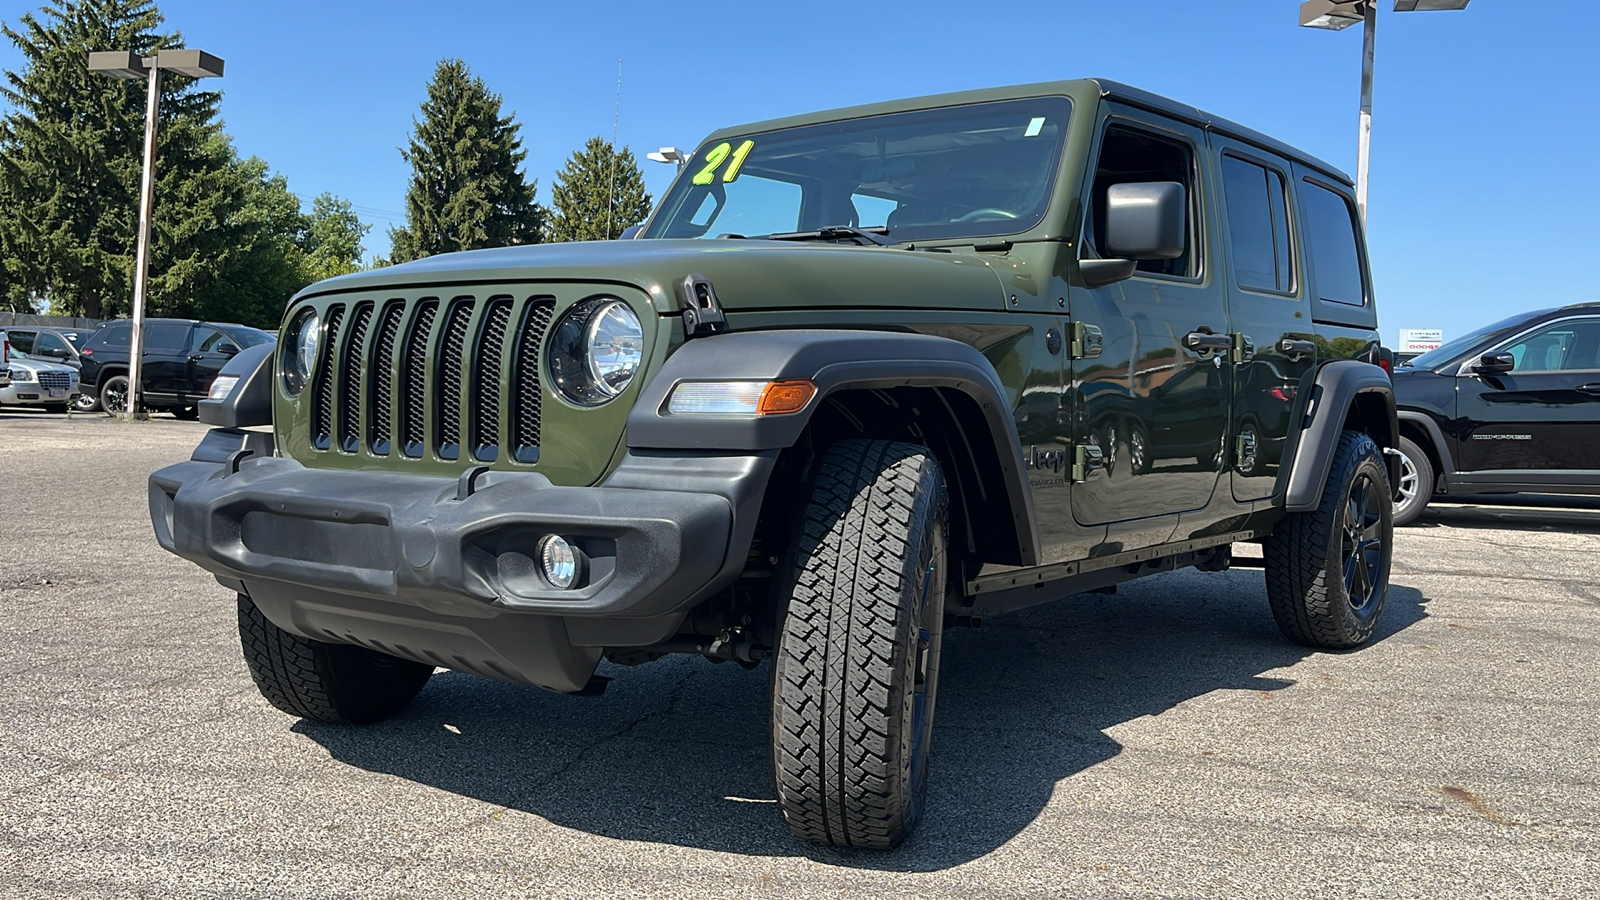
point(702, 313)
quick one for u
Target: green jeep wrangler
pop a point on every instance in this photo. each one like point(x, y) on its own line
point(863, 375)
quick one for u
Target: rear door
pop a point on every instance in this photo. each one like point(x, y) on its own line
point(1542, 415)
point(1150, 391)
point(1268, 308)
point(166, 366)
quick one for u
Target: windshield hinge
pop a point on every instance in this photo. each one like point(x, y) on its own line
point(1087, 341)
point(702, 313)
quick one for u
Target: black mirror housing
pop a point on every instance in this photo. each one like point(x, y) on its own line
point(1495, 362)
point(1146, 220)
point(227, 349)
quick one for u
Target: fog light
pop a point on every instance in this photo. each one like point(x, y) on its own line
point(560, 562)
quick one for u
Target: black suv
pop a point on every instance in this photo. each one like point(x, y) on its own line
point(1512, 407)
point(181, 359)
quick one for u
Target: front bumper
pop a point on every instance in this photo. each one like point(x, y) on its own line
point(443, 571)
point(29, 393)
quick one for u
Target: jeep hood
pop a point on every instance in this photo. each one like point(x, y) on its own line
point(747, 274)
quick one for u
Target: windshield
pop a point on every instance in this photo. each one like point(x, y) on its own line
point(980, 170)
point(1449, 350)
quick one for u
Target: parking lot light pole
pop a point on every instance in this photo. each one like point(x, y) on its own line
point(1337, 15)
point(668, 155)
point(128, 66)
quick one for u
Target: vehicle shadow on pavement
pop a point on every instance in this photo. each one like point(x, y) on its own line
point(677, 752)
point(1572, 515)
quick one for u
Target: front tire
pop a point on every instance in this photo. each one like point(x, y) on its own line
point(1416, 483)
point(186, 413)
point(339, 684)
point(1328, 569)
point(857, 663)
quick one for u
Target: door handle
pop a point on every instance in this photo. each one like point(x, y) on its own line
point(1202, 341)
point(1590, 388)
point(1293, 347)
point(196, 357)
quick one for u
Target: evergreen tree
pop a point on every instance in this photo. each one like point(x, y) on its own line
point(224, 233)
point(467, 189)
point(598, 194)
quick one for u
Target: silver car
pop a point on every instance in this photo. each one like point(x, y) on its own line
point(35, 382)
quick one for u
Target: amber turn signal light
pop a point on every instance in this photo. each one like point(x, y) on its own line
point(785, 397)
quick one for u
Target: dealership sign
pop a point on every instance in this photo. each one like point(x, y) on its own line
point(1420, 340)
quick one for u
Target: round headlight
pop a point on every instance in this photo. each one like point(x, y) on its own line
point(595, 350)
point(300, 351)
point(616, 347)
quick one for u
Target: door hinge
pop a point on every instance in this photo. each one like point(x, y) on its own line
point(1086, 458)
point(1087, 341)
point(1243, 348)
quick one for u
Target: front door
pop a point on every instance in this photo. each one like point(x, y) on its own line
point(1149, 385)
point(209, 351)
point(165, 370)
point(1545, 413)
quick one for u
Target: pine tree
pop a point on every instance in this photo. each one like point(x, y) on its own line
point(223, 241)
point(467, 189)
point(598, 194)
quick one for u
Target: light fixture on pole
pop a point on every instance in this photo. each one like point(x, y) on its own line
point(1337, 15)
point(128, 66)
point(668, 155)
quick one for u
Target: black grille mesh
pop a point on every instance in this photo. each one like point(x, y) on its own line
point(413, 379)
point(443, 384)
point(322, 397)
point(447, 382)
point(528, 401)
point(486, 380)
point(350, 366)
point(382, 389)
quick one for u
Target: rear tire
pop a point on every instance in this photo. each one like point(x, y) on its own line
point(339, 684)
point(1328, 569)
point(87, 402)
point(186, 413)
point(1416, 483)
point(857, 664)
point(114, 395)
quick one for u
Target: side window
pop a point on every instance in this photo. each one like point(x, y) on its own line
point(165, 336)
point(1330, 230)
point(1563, 347)
point(114, 336)
point(207, 339)
point(22, 340)
point(1258, 226)
point(53, 345)
point(1129, 156)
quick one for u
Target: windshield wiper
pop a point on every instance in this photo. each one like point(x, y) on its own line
point(873, 235)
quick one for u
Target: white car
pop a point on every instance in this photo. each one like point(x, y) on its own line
point(35, 382)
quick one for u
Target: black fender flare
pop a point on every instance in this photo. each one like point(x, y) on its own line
point(833, 360)
point(1340, 387)
point(1435, 436)
point(249, 403)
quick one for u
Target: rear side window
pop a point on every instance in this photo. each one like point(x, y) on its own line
point(1330, 229)
point(1572, 345)
point(111, 336)
point(1258, 226)
point(165, 336)
point(22, 340)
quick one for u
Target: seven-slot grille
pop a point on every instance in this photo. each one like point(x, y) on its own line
point(393, 376)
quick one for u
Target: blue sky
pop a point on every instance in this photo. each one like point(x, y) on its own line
point(1486, 140)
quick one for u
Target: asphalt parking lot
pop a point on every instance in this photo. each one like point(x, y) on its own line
point(1164, 741)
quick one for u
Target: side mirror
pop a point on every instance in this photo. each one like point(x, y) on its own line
point(56, 352)
point(1146, 220)
point(1495, 363)
point(227, 349)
